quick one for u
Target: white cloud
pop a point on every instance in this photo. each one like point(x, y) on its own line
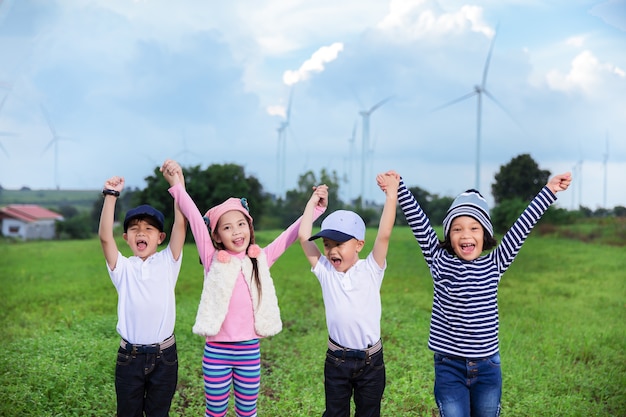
point(576, 41)
point(586, 74)
point(316, 63)
point(415, 19)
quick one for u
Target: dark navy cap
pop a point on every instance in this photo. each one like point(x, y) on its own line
point(144, 211)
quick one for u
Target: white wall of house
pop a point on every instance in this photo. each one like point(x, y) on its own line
point(40, 229)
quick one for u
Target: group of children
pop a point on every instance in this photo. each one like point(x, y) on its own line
point(238, 305)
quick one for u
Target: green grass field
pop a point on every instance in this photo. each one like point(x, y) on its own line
point(562, 312)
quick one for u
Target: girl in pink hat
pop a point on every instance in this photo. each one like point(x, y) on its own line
point(238, 305)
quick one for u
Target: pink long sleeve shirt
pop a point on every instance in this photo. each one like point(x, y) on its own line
point(239, 322)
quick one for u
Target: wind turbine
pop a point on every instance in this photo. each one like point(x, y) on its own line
point(282, 147)
point(605, 163)
point(3, 133)
point(365, 114)
point(4, 99)
point(577, 172)
point(479, 90)
point(351, 153)
point(55, 141)
point(6, 134)
point(185, 151)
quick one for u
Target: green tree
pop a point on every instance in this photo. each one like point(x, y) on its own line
point(124, 203)
point(520, 178)
point(433, 205)
point(285, 212)
point(75, 227)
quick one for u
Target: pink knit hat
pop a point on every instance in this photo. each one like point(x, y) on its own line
point(213, 215)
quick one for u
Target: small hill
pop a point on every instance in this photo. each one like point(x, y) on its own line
point(52, 199)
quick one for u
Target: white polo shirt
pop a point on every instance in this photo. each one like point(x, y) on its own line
point(352, 301)
point(146, 306)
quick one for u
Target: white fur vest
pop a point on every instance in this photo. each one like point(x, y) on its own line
point(217, 290)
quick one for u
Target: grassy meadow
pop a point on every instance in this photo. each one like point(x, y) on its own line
point(562, 332)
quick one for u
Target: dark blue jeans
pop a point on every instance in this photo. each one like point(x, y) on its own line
point(468, 387)
point(145, 382)
point(365, 378)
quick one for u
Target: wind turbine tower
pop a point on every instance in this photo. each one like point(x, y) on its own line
point(282, 148)
point(350, 160)
point(365, 114)
point(605, 163)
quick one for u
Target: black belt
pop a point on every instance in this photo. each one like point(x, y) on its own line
point(342, 352)
point(153, 348)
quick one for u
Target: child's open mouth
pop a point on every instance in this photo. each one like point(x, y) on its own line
point(467, 247)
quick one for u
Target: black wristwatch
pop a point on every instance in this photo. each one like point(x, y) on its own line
point(108, 191)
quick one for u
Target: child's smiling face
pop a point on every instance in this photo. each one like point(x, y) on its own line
point(342, 255)
point(467, 237)
point(143, 238)
point(233, 231)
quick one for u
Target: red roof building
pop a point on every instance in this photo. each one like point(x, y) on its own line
point(28, 221)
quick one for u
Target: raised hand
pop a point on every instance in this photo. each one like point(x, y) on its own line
point(560, 182)
point(172, 172)
point(114, 183)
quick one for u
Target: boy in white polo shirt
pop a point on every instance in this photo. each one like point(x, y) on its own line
point(351, 290)
point(146, 373)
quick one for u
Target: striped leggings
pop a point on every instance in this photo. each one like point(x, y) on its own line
point(237, 363)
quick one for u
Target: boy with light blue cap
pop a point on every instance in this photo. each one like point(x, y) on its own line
point(354, 364)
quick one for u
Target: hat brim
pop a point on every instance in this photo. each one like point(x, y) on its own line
point(143, 215)
point(335, 235)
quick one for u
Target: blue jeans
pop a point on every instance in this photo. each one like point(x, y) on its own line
point(365, 377)
point(145, 382)
point(468, 387)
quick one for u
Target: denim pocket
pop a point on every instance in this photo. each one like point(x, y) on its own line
point(377, 361)
point(332, 360)
point(495, 360)
point(439, 359)
point(169, 355)
point(123, 359)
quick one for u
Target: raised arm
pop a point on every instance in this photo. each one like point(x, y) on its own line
point(319, 198)
point(389, 183)
point(105, 229)
point(173, 174)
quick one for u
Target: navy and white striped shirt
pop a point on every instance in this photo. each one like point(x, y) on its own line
point(464, 319)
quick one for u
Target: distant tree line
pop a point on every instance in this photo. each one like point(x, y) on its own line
point(515, 184)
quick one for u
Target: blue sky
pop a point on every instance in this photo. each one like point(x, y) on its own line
point(126, 84)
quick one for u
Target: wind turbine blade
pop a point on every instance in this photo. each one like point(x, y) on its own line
point(4, 99)
point(4, 150)
point(492, 98)
point(48, 145)
point(486, 69)
point(45, 114)
point(289, 106)
point(466, 96)
point(8, 134)
point(353, 131)
point(377, 105)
